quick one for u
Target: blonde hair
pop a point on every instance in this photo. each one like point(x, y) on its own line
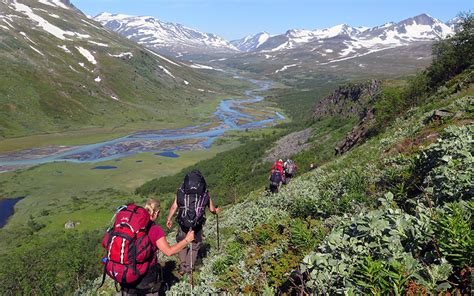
point(152, 206)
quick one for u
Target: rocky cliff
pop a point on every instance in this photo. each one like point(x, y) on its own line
point(351, 101)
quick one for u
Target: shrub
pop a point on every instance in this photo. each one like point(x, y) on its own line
point(447, 166)
point(455, 234)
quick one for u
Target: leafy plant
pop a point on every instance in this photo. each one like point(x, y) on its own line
point(447, 166)
point(455, 234)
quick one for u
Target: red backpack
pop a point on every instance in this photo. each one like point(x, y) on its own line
point(129, 250)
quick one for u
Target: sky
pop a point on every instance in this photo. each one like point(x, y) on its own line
point(234, 19)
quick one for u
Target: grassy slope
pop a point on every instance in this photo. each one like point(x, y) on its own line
point(258, 258)
point(42, 94)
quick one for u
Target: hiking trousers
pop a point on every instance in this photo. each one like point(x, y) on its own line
point(186, 260)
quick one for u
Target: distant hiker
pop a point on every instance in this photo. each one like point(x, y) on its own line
point(277, 176)
point(132, 244)
point(290, 169)
point(276, 179)
point(192, 199)
point(278, 166)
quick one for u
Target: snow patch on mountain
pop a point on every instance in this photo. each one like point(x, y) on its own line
point(87, 54)
point(91, 24)
point(98, 43)
point(44, 24)
point(27, 38)
point(199, 66)
point(54, 3)
point(163, 58)
point(284, 68)
point(167, 71)
point(64, 47)
point(37, 50)
point(128, 55)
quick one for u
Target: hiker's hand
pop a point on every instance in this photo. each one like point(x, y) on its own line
point(169, 223)
point(216, 211)
point(189, 236)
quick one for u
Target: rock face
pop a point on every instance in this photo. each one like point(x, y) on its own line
point(290, 145)
point(351, 101)
point(357, 135)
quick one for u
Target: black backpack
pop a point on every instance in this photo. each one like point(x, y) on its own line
point(275, 178)
point(192, 198)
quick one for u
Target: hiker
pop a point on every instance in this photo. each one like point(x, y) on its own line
point(149, 241)
point(290, 169)
point(277, 176)
point(278, 166)
point(192, 199)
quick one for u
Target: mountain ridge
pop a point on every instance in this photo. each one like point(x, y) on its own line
point(167, 36)
point(75, 73)
point(343, 41)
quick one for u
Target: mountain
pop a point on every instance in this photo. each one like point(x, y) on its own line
point(454, 23)
point(171, 38)
point(419, 28)
point(63, 71)
point(342, 52)
point(251, 42)
point(406, 43)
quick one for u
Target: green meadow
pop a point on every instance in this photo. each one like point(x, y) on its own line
point(59, 192)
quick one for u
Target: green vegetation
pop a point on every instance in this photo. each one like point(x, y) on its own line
point(45, 258)
point(59, 91)
point(229, 174)
point(391, 216)
point(46, 266)
point(451, 57)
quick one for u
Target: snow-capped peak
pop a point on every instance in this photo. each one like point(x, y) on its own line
point(156, 34)
point(454, 23)
point(338, 30)
point(251, 42)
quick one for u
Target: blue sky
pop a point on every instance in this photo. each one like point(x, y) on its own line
point(233, 19)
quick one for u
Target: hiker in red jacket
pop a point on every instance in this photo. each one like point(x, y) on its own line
point(278, 166)
point(277, 176)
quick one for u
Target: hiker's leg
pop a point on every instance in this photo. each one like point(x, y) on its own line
point(196, 245)
point(183, 254)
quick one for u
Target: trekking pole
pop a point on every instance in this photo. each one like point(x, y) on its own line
point(191, 276)
point(217, 224)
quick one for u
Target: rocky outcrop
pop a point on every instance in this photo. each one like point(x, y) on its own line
point(357, 135)
point(351, 101)
point(290, 145)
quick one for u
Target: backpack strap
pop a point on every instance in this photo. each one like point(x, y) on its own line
point(103, 278)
